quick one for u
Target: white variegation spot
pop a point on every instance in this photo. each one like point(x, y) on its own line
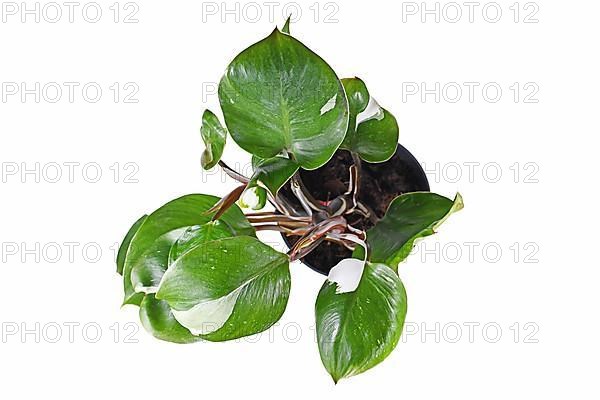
point(346, 275)
point(329, 105)
point(250, 199)
point(209, 316)
point(139, 288)
point(372, 111)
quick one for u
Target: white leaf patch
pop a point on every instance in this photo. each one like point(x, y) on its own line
point(209, 316)
point(329, 105)
point(372, 111)
point(346, 275)
point(250, 198)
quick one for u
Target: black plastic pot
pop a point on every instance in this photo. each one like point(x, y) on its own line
point(380, 184)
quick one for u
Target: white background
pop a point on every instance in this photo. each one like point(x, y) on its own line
point(546, 291)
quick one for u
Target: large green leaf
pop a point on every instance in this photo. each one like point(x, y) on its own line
point(273, 173)
point(157, 318)
point(357, 329)
point(214, 137)
point(227, 288)
point(374, 138)
point(409, 217)
point(148, 254)
point(278, 95)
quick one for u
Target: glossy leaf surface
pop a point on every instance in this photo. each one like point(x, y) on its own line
point(148, 253)
point(214, 136)
point(157, 318)
point(357, 330)
point(373, 137)
point(409, 217)
point(278, 95)
point(124, 247)
point(227, 288)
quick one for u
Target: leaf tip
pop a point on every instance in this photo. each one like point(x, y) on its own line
point(459, 203)
point(286, 25)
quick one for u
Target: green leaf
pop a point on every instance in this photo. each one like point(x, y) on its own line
point(286, 26)
point(157, 318)
point(375, 138)
point(273, 173)
point(358, 329)
point(214, 136)
point(227, 288)
point(124, 247)
point(409, 217)
point(358, 97)
point(278, 95)
point(148, 254)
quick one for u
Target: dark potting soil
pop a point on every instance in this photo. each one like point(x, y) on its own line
point(379, 184)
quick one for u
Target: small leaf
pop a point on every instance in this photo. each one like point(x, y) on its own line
point(273, 173)
point(214, 136)
point(124, 247)
point(409, 217)
point(278, 95)
point(373, 137)
point(286, 26)
point(358, 329)
point(157, 318)
point(227, 288)
point(149, 249)
point(358, 96)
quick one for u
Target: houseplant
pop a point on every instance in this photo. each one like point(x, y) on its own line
point(195, 267)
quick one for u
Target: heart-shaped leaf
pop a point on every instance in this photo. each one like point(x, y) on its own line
point(148, 254)
point(409, 217)
point(372, 131)
point(357, 329)
point(227, 288)
point(214, 136)
point(157, 318)
point(278, 95)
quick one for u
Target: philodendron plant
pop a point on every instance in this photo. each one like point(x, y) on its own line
point(195, 267)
